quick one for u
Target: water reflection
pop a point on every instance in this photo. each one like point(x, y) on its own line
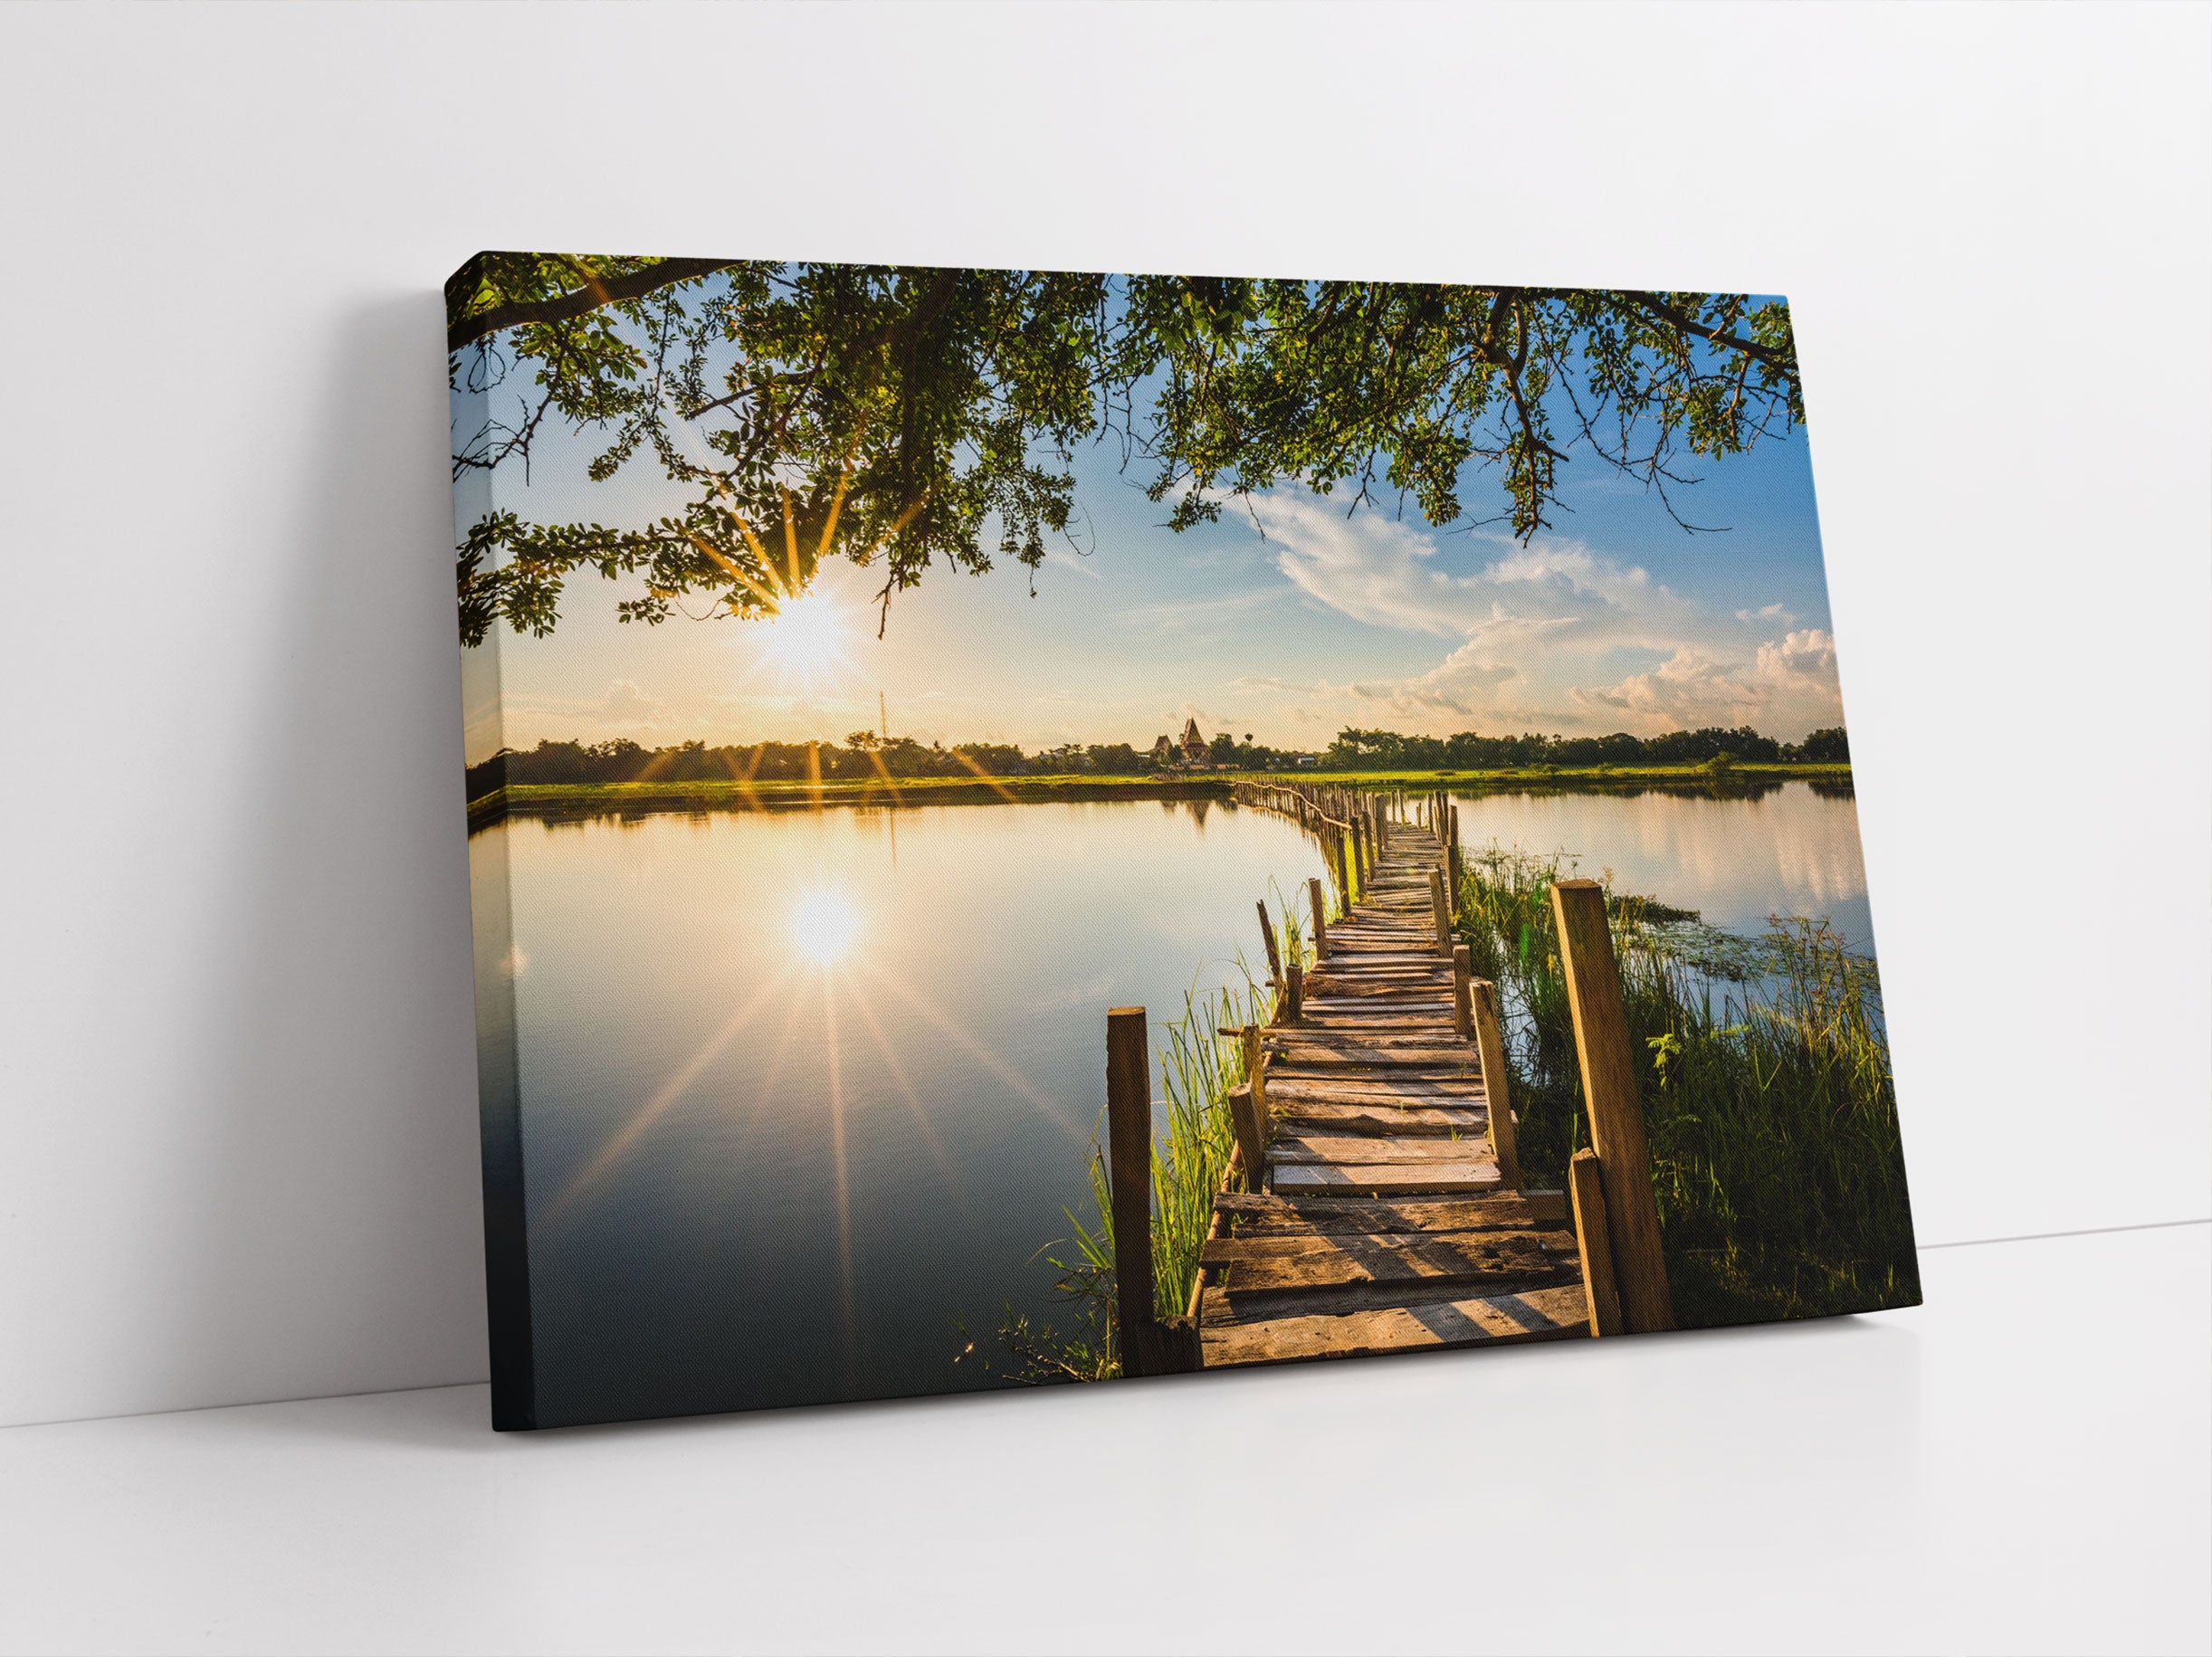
point(1791, 849)
point(789, 1106)
point(824, 924)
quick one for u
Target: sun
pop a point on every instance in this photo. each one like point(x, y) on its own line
point(805, 638)
point(824, 925)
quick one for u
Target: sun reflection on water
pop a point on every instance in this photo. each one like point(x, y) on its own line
point(824, 925)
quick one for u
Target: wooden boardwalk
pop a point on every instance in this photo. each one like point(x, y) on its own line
point(1385, 1216)
point(1374, 1203)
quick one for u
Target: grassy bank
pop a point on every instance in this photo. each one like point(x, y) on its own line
point(1767, 1096)
point(555, 799)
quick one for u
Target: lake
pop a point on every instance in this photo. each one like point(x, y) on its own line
point(802, 1090)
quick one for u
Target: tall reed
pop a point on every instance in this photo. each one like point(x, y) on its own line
point(1199, 1065)
point(1767, 1096)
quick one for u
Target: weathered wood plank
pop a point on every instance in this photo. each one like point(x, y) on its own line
point(1292, 1145)
point(1337, 1073)
point(1540, 1314)
point(1322, 1055)
point(1375, 1257)
point(1350, 1089)
point(1376, 1118)
point(1388, 1178)
point(1257, 1213)
point(1381, 1041)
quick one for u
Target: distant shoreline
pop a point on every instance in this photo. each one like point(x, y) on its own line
point(595, 799)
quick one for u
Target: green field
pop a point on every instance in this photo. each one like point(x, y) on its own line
point(544, 798)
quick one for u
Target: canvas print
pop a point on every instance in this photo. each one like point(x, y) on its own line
point(1031, 826)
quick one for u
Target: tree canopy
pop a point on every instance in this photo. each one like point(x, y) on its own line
point(898, 417)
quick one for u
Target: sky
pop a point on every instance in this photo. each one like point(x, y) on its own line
point(1288, 620)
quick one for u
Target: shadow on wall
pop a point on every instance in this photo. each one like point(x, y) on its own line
point(329, 1237)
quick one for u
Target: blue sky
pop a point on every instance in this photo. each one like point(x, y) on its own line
point(1288, 621)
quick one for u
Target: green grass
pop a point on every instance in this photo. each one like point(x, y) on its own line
point(557, 799)
point(1767, 1096)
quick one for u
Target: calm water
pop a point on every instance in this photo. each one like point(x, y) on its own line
point(800, 1090)
point(1786, 850)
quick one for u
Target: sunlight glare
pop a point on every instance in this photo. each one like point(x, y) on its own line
point(806, 636)
point(824, 925)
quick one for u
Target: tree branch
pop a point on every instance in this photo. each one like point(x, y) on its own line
point(1674, 318)
point(580, 301)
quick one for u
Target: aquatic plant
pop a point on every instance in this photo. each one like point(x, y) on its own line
point(1768, 1101)
point(1199, 1064)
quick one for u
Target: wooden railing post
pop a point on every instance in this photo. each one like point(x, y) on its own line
point(1321, 918)
point(1497, 1096)
point(1586, 1189)
point(1616, 1104)
point(1462, 999)
point(1129, 1141)
point(1149, 1346)
point(1274, 956)
point(1441, 912)
point(1249, 1116)
point(1293, 992)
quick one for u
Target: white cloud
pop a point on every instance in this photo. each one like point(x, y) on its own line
point(1788, 688)
point(1544, 632)
point(627, 704)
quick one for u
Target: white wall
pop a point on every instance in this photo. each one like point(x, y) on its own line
point(237, 1144)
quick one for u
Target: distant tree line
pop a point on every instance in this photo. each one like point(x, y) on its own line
point(1386, 750)
point(863, 754)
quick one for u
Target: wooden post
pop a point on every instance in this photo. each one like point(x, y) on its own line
point(1616, 1106)
point(1149, 1346)
point(1129, 1137)
point(1293, 992)
point(1497, 1094)
point(1243, 1118)
point(1586, 1187)
point(1253, 1136)
point(1321, 918)
point(1441, 912)
point(1463, 1003)
point(1274, 956)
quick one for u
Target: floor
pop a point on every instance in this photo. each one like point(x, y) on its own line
point(2024, 1464)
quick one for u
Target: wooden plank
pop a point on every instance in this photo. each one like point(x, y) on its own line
point(1377, 1019)
point(1227, 1305)
point(1376, 1116)
point(1334, 1075)
point(1292, 1145)
point(1261, 1265)
point(1257, 1213)
point(1372, 1056)
point(1385, 1088)
point(1609, 1088)
point(1540, 1314)
point(1380, 1041)
point(1388, 1178)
